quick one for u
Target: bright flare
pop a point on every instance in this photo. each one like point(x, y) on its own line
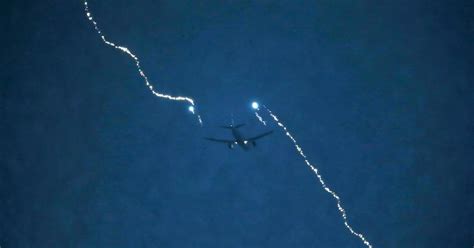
point(191, 109)
point(255, 105)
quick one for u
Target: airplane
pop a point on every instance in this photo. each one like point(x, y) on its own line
point(239, 140)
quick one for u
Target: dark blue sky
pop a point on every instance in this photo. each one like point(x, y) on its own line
point(378, 93)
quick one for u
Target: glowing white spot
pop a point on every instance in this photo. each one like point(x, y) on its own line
point(191, 109)
point(255, 105)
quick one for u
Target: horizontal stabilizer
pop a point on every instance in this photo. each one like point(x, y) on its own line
point(232, 126)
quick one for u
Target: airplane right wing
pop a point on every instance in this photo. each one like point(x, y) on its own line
point(260, 136)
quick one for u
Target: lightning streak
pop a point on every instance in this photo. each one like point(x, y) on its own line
point(137, 63)
point(323, 184)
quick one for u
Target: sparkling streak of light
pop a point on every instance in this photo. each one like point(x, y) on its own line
point(323, 184)
point(260, 118)
point(137, 63)
point(199, 119)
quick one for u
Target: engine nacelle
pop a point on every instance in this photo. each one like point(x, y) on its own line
point(230, 145)
point(254, 143)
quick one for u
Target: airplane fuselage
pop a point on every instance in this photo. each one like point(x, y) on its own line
point(240, 140)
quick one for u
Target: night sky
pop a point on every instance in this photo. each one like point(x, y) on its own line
point(379, 94)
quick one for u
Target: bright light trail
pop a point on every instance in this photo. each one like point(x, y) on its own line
point(320, 178)
point(256, 107)
point(137, 64)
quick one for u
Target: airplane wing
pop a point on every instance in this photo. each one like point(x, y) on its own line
point(260, 136)
point(220, 140)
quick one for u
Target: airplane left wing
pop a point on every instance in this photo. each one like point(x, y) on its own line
point(260, 136)
point(221, 140)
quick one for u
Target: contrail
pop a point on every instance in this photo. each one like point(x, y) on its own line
point(316, 172)
point(137, 63)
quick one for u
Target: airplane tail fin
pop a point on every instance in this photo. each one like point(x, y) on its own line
point(232, 126)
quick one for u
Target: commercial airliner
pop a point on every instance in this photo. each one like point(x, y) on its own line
point(244, 143)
